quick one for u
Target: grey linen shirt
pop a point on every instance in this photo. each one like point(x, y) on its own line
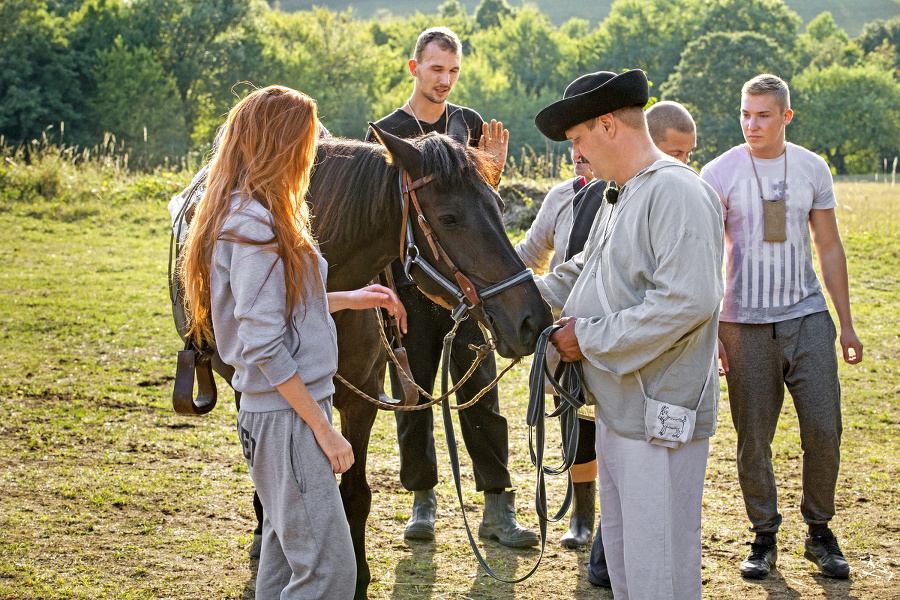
point(250, 317)
point(657, 253)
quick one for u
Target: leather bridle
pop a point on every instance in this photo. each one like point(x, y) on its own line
point(464, 290)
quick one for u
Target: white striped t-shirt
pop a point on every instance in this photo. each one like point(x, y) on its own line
point(766, 282)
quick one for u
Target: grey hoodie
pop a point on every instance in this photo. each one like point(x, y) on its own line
point(249, 315)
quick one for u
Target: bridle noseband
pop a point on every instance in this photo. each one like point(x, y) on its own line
point(464, 290)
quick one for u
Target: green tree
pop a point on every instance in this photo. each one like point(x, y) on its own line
point(849, 115)
point(138, 102)
point(771, 18)
point(95, 26)
point(451, 9)
point(492, 93)
point(490, 12)
point(709, 78)
point(528, 49)
point(246, 55)
point(622, 38)
point(38, 86)
point(825, 44)
point(882, 36)
point(333, 58)
point(190, 40)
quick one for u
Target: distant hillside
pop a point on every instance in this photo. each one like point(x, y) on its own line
point(851, 15)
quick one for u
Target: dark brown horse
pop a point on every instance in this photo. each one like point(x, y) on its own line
point(357, 209)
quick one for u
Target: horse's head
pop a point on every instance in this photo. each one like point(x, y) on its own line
point(463, 212)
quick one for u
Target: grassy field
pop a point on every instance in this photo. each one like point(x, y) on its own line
point(106, 493)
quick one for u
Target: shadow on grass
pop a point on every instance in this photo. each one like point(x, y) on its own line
point(249, 591)
point(415, 575)
point(781, 587)
point(776, 586)
point(508, 563)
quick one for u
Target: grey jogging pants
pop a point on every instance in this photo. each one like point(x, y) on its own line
point(799, 353)
point(307, 552)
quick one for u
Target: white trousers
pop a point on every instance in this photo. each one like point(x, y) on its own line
point(650, 499)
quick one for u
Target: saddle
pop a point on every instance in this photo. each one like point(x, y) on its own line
point(195, 360)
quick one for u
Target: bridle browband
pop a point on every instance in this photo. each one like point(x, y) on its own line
point(464, 290)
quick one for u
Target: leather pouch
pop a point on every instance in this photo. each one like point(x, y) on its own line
point(774, 216)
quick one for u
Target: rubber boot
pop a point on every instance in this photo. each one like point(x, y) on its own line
point(421, 524)
point(598, 574)
point(499, 522)
point(581, 521)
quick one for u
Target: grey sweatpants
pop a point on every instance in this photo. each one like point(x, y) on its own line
point(307, 552)
point(762, 359)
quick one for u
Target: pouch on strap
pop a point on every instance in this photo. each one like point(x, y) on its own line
point(665, 424)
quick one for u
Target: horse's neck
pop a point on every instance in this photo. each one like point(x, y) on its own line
point(361, 260)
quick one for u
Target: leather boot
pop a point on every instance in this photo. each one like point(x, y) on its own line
point(598, 574)
point(499, 522)
point(421, 524)
point(581, 521)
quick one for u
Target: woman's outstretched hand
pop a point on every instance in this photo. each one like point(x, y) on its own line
point(371, 296)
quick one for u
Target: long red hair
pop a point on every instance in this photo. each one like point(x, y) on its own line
point(266, 152)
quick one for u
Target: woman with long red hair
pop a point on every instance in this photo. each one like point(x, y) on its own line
point(254, 285)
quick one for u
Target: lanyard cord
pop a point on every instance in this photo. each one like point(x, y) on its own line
point(419, 123)
point(759, 185)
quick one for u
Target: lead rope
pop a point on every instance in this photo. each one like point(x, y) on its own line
point(454, 467)
point(568, 386)
point(481, 353)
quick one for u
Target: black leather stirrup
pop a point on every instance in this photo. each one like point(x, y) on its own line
point(191, 363)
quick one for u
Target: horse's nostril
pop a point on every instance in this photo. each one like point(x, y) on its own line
point(528, 333)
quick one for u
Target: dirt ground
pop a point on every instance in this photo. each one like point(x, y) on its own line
point(143, 503)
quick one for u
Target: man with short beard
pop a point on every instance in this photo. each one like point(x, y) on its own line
point(640, 311)
point(435, 67)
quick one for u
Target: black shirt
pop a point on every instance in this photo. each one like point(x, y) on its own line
point(465, 125)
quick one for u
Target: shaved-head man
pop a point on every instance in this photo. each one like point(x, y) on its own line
point(672, 129)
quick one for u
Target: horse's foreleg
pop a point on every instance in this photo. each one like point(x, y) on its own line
point(357, 418)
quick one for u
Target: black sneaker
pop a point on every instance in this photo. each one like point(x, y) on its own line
point(824, 552)
point(763, 554)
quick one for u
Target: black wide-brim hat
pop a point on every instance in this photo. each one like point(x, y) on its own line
point(590, 96)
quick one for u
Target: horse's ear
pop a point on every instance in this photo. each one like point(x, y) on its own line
point(401, 152)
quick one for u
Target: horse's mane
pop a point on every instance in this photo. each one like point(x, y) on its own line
point(355, 189)
point(351, 189)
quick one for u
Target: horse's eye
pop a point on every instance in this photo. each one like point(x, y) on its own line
point(447, 220)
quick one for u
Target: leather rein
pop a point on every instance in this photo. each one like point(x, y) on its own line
point(468, 298)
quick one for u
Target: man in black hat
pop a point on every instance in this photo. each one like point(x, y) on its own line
point(639, 311)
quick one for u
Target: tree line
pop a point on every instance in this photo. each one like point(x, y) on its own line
point(160, 75)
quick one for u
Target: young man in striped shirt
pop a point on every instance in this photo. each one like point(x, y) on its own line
point(774, 324)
